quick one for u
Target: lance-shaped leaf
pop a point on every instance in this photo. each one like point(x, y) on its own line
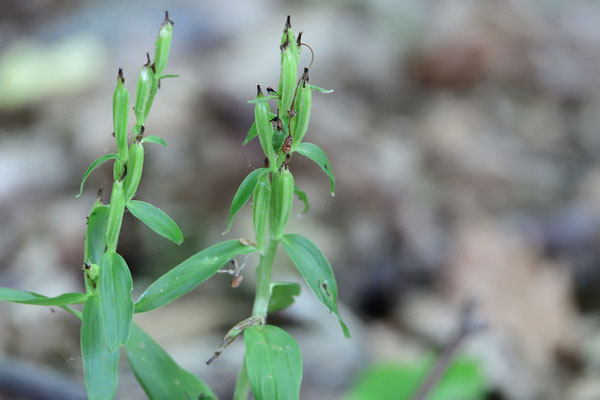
point(93, 166)
point(253, 132)
point(154, 139)
point(157, 373)
point(261, 99)
point(274, 363)
point(156, 219)
point(244, 193)
point(99, 364)
point(95, 234)
point(189, 274)
point(23, 297)
point(318, 89)
point(116, 305)
point(282, 295)
point(315, 153)
point(316, 271)
point(303, 198)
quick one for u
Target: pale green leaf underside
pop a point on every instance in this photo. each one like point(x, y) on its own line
point(160, 376)
point(274, 363)
point(116, 306)
point(189, 274)
point(316, 271)
point(261, 99)
point(156, 219)
point(318, 89)
point(95, 236)
point(99, 364)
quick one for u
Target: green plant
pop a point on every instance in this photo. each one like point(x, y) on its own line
point(272, 366)
point(107, 316)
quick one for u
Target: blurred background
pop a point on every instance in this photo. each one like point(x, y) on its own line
point(464, 138)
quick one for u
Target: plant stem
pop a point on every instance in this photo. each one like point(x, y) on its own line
point(260, 308)
point(263, 281)
point(242, 386)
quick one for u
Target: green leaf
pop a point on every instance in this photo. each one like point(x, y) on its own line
point(315, 153)
point(156, 219)
point(253, 132)
point(244, 193)
point(157, 373)
point(282, 295)
point(318, 89)
point(303, 197)
point(261, 99)
point(116, 305)
point(95, 234)
point(274, 363)
point(169, 76)
point(23, 297)
point(154, 139)
point(93, 166)
point(99, 364)
point(316, 271)
point(462, 381)
point(189, 274)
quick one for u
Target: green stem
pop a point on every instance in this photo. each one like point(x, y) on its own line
point(242, 386)
point(263, 281)
point(261, 306)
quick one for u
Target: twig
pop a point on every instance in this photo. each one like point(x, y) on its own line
point(468, 325)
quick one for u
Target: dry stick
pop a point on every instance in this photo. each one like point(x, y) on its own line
point(467, 326)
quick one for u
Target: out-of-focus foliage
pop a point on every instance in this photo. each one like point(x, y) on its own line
point(32, 71)
point(462, 381)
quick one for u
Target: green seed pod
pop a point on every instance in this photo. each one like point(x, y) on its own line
point(289, 68)
point(135, 165)
point(141, 97)
point(302, 107)
point(260, 207)
point(282, 195)
point(115, 216)
point(262, 116)
point(120, 114)
point(163, 44)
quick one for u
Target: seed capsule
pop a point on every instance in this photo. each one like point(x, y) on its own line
point(135, 165)
point(290, 56)
point(120, 115)
point(302, 106)
point(162, 45)
point(260, 207)
point(282, 195)
point(115, 216)
point(263, 125)
point(141, 97)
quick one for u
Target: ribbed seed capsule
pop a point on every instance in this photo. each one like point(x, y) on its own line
point(120, 114)
point(141, 97)
point(282, 195)
point(289, 68)
point(262, 116)
point(302, 107)
point(135, 165)
point(260, 207)
point(115, 216)
point(162, 45)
